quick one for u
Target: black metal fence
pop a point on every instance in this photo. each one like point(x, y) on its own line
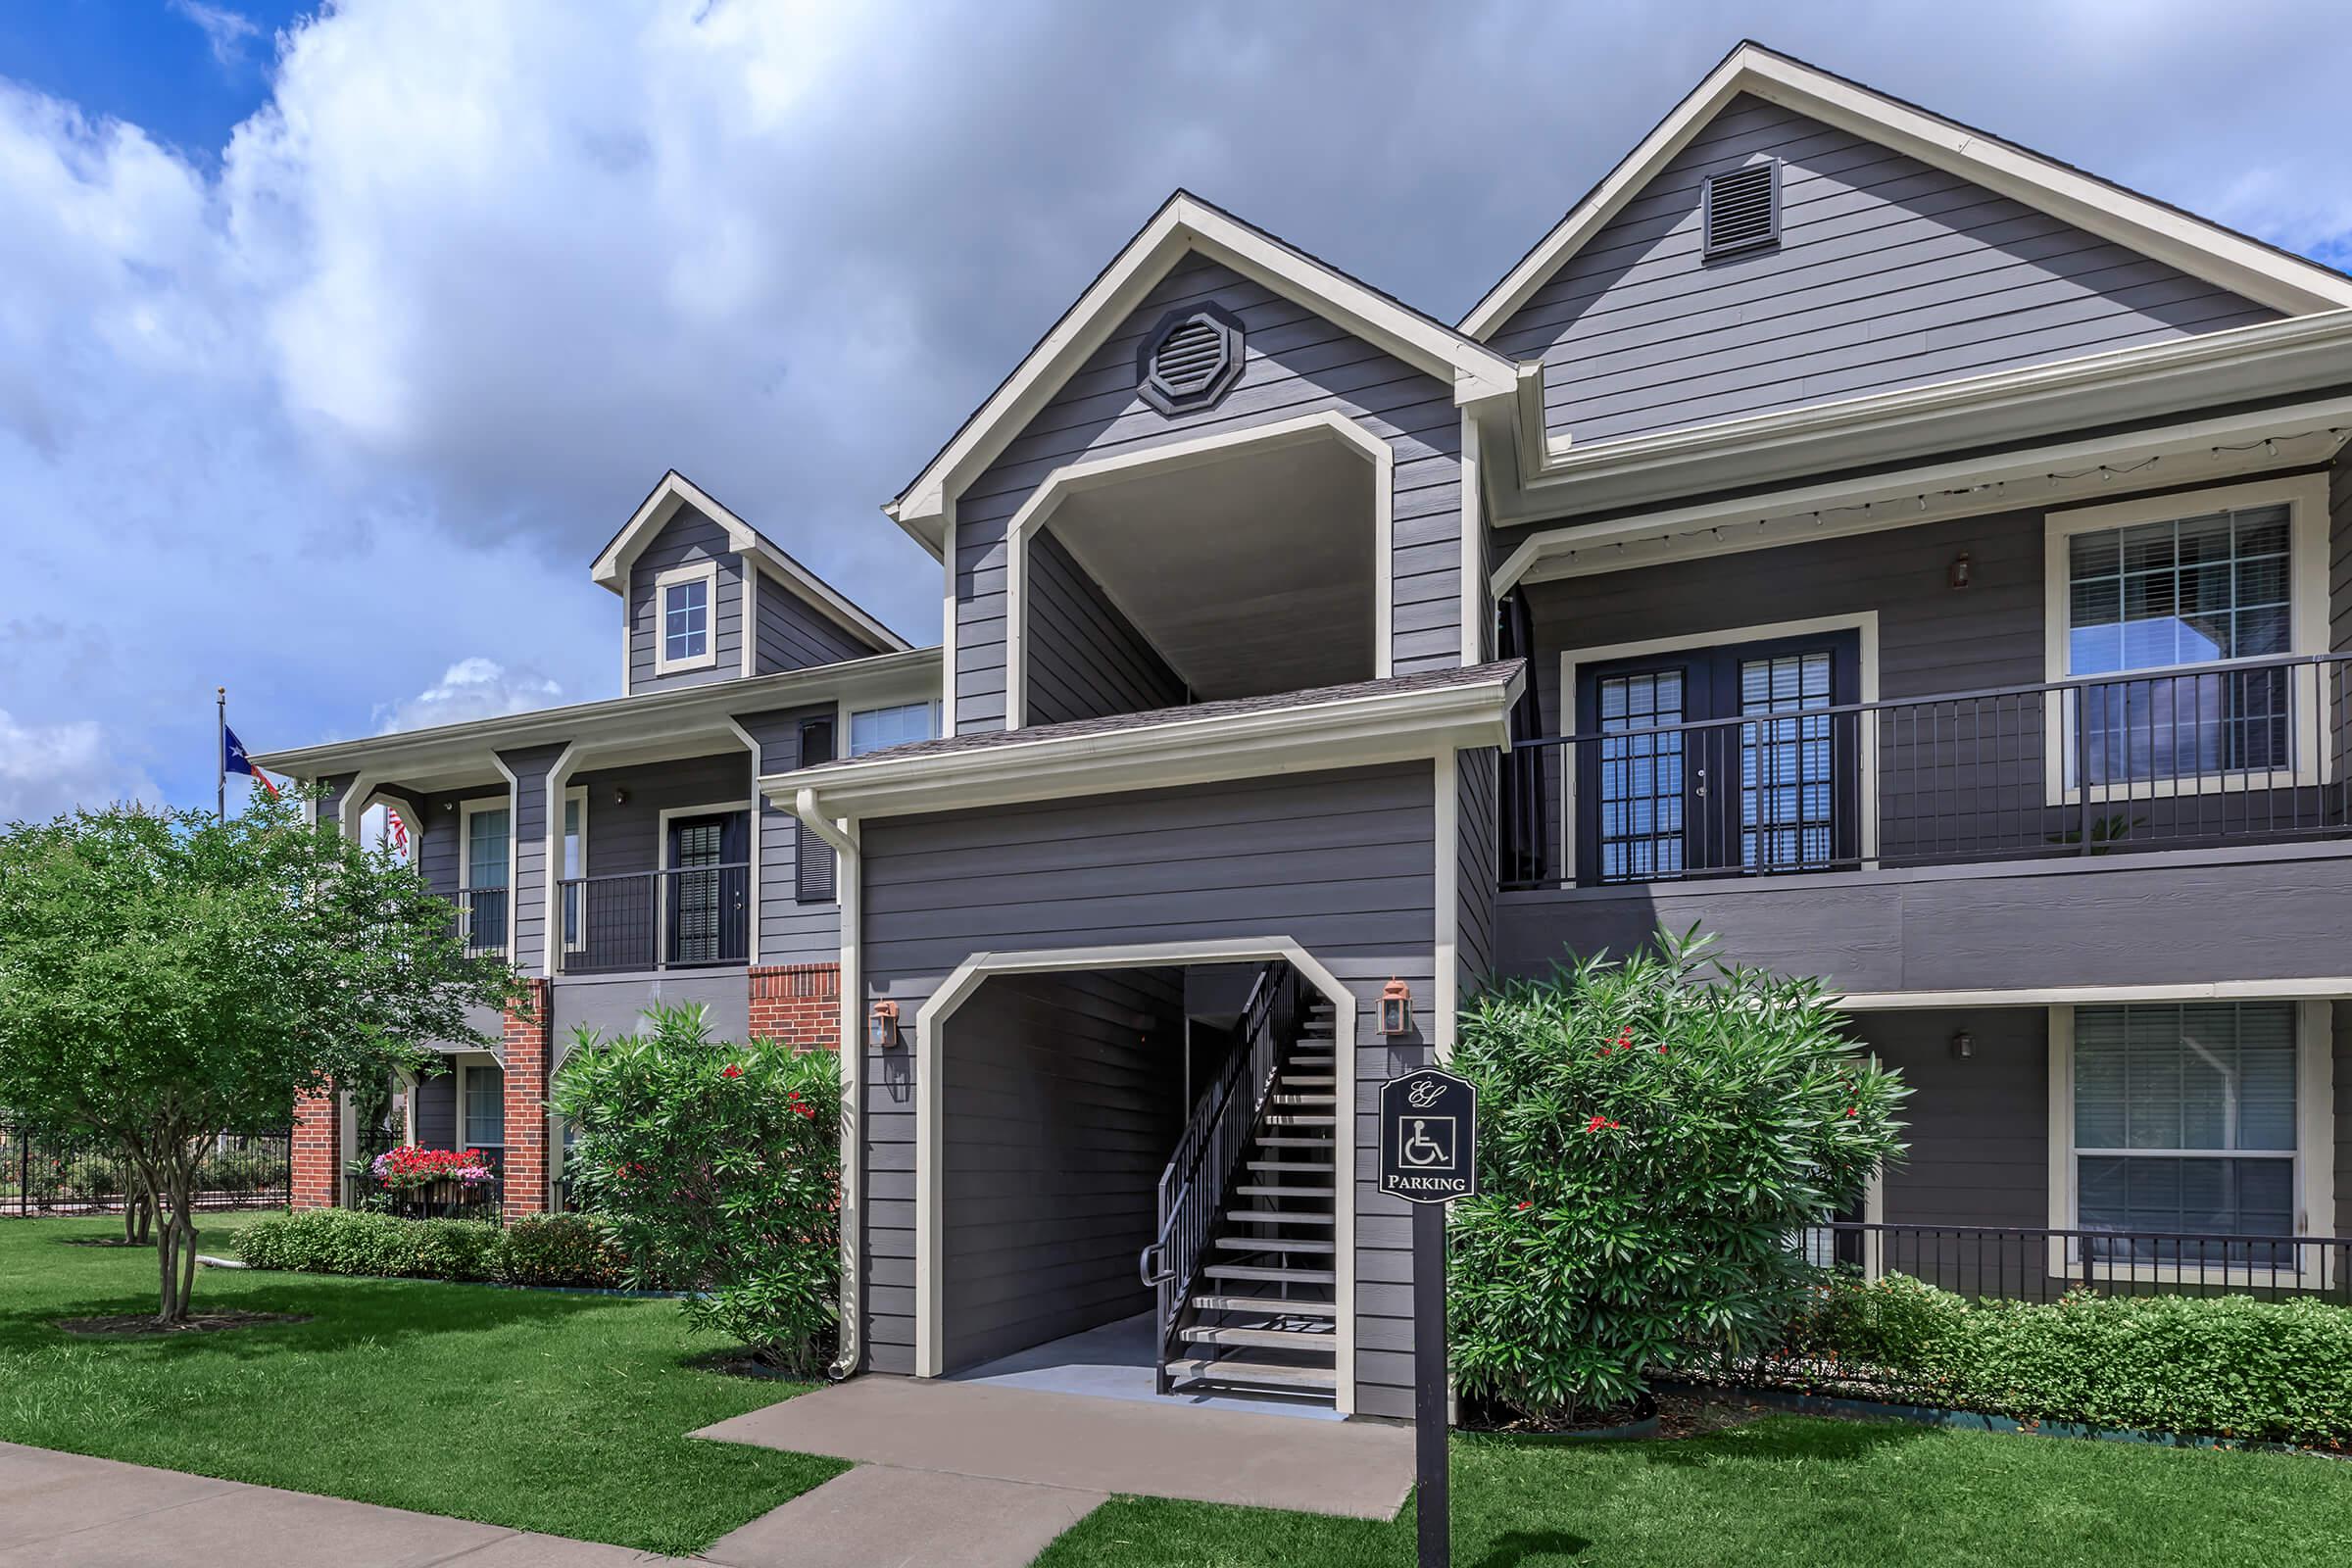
point(41, 1174)
point(2041, 1265)
point(2245, 753)
point(693, 917)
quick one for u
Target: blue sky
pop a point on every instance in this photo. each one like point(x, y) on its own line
point(335, 342)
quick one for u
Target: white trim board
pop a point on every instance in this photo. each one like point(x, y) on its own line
point(1185, 225)
point(1077, 478)
point(2297, 990)
point(1388, 726)
point(2201, 249)
point(467, 811)
point(930, 1317)
point(1865, 623)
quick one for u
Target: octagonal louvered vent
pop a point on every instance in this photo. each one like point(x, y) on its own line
point(1190, 360)
point(1742, 209)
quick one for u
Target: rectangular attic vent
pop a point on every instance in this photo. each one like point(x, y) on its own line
point(1741, 210)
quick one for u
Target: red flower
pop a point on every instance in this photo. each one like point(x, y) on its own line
point(732, 1071)
point(1523, 1208)
point(1854, 1111)
point(1599, 1122)
point(809, 1112)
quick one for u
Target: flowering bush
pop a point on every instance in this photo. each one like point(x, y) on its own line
point(410, 1166)
point(718, 1168)
point(1653, 1132)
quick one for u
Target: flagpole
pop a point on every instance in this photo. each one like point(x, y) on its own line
point(221, 752)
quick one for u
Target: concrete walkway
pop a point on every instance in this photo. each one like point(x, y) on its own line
point(1066, 1440)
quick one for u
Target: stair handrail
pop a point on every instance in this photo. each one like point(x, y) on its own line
point(1192, 1186)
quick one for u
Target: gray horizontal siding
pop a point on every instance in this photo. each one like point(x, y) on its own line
point(794, 635)
point(2344, 1117)
point(687, 538)
point(615, 1007)
point(1340, 862)
point(1889, 274)
point(625, 836)
point(790, 931)
point(2339, 555)
point(437, 1111)
point(2121, 921)
point(1067, 1097)
point(1296, 364)
point(1086, 660)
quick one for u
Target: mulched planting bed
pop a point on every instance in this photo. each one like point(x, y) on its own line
point(136, 1323)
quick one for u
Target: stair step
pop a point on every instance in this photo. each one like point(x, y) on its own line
point(1312, 1340)
point(1290, 1140)
point(1301, 1118)
point(1267, 1305)
point(1265, 1374)
point(1306, 1099)
point(1270, 1274)
point(1272, 1244)
point(1301, 1080)
point(1255, 1191)
point(1311, 1059)
point(1320, 1167)
point(1276, 1216)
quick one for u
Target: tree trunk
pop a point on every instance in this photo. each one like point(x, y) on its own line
point(175, 1240)
point(138, 1212)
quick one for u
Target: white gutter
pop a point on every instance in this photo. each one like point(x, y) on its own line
point(849, 1054)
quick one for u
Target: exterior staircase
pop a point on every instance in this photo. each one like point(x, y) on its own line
point(1260, 1311)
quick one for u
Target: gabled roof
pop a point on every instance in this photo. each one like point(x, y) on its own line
point(676, 491)
point(2203, 249)
point(1186, 223)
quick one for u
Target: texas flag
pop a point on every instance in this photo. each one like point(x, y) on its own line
point(234, 760)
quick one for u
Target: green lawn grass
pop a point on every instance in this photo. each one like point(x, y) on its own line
point(566, 1413)
point(1787, 1490)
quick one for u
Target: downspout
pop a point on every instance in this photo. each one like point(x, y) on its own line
point(848, 886)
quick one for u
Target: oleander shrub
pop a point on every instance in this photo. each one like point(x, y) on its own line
point(2227, 1366)
point(718, 1168)
point(1654, 1131)
point(575, 1250)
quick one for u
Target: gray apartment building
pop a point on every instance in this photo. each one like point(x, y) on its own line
point(1924, 564)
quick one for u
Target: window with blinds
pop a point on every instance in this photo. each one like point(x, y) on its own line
point(2184, 1118)
point(485, 1106)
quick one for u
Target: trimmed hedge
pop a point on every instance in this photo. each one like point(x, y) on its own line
point(2225, 1366)
point(543, 1249)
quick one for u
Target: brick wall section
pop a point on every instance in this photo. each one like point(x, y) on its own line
point(317, 1155)
point(799, 1003)
point(530, 1056)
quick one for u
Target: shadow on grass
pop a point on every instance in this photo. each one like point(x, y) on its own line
point(1516, 1546)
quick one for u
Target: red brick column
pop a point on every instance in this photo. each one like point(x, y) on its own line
point(799, 1003)
point(530, 1059)
point(318, 1152)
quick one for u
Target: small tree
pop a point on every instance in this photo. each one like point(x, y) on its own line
point(166, 977)
point(718, 1168)
point(1654, 1135)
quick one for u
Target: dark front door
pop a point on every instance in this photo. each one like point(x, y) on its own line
point(709, 894)
point(1720, 762)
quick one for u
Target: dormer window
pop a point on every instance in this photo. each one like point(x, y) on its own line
point(683, 599)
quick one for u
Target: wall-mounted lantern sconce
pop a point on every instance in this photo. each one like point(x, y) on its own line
point(882, 1025)
point(1964, 1045)
point(620, 797)
point(1395, 1009)
point(1958, 576)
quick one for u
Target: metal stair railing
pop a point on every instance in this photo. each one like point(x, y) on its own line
point(1193, 1187)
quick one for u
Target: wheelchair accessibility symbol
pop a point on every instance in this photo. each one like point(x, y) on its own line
point(1425, 1143)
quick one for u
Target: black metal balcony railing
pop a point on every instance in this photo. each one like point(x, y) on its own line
point(483, 913)
point(690, 918)
point(2248, 752)
point(2023, 1264)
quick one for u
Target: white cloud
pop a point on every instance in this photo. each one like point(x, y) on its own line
point(471, 688)
point(319, 411)
point(49, 768)
point(225, 30)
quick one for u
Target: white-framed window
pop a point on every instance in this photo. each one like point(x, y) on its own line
point(686, 619)
point(2196, 603)
point(872, 729)
point(481, 1104)
point(2190, 1119)
point(576, 864)
point(485, 866)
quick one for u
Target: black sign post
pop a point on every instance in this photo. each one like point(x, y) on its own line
point(1429, 1158)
